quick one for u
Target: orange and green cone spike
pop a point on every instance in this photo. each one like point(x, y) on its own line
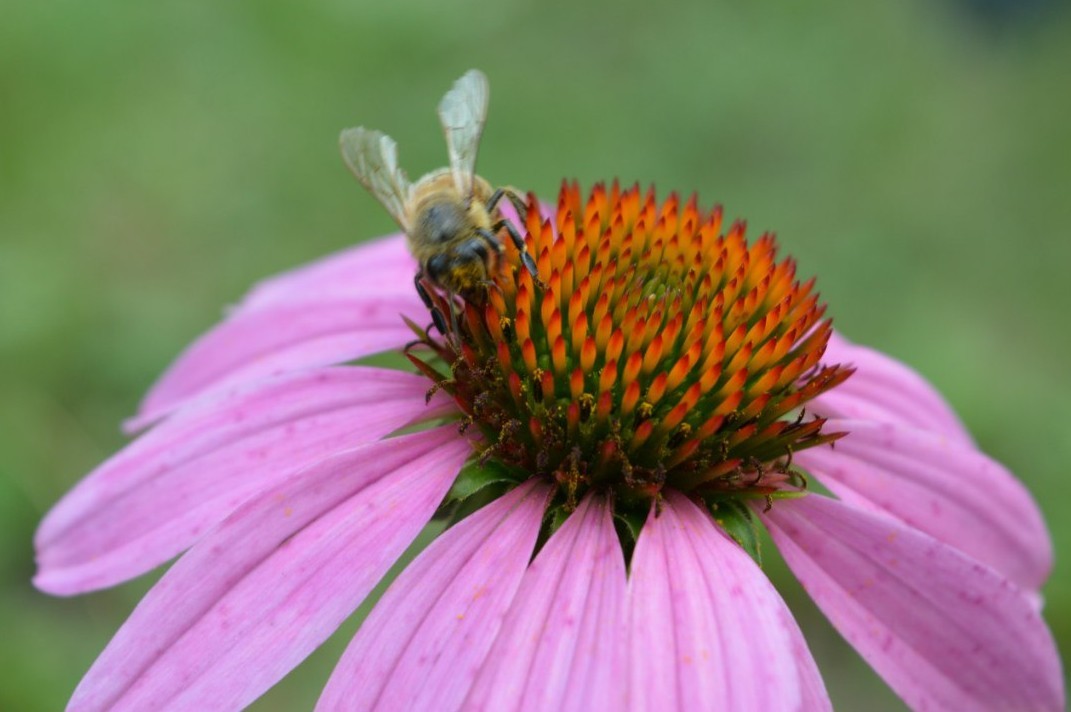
point(657, 349)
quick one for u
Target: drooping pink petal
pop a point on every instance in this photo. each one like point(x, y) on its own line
point(383, 265)
point(562, 644)
point(425, 640)
point(301, 320)
point(812, 686)
point(160, 494)
point(885, 390)
point(707, 628)
point(941, 486)
point(945, 631)
point(256, 596)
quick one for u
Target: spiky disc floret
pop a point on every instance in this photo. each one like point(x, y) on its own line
point(654, 351)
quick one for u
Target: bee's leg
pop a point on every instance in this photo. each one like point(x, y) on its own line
point(518, 242)
point(514, 197)
point(436, 314)
point(418, 282)
point(490, 239)
point(438, 320)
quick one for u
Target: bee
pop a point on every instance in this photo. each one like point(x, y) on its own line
point(450, 216)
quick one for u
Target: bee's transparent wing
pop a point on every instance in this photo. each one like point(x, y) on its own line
point(463, 112)
point(372, 156)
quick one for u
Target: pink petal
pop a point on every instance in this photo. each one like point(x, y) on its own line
point(160, 494)
point(945, 631)
point(812, 686)
point(885, 390)
point(940, 486)
point(708, 630)
point(383, 265)
point(328, 313)
point(249, 602)
point(561, 646)
point(426, 638)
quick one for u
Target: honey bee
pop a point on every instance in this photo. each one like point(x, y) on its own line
point(450, 216)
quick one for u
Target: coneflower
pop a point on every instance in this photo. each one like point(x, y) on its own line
point(606, 441)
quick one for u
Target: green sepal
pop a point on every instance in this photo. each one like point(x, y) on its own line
point(788, 494)
point(631, 520)
point(556, 518)
point(475, 477)
point(628, 522)
point(737, 520)
point(457, 510)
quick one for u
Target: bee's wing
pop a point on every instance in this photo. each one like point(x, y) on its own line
point(372, 156)
point(462, 113)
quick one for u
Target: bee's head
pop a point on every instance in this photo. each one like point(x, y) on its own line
point(464, 268)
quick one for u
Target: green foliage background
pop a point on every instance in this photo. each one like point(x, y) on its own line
point(157, 158)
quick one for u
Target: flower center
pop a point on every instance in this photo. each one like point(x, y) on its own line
point(655, 350)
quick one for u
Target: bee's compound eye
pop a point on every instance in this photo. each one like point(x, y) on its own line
point(437, 266)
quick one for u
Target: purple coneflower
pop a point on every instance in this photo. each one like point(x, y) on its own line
point(605, 443)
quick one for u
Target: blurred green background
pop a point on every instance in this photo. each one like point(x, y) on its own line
point(156, 159)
